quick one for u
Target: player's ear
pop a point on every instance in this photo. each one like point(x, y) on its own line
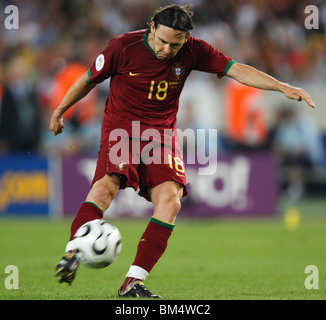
point(152, 27)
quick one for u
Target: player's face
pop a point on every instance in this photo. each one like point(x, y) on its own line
point(166, 42)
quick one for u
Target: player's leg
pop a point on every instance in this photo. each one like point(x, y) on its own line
point(98, 200)
point(163, 182)
point(109, 177)
point(166, 201)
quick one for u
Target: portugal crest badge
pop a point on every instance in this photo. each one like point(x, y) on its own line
point(178, 71)
point(120, 166)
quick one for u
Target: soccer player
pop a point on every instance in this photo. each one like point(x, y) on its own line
point(148, 69)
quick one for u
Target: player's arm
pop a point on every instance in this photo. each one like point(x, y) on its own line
point(252, 77)
point(77, 91)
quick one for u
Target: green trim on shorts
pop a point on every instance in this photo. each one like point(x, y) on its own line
point(95, 205)
point(162, 224)
point(228, 66)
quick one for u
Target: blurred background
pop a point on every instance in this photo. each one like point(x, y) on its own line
point(271, 151)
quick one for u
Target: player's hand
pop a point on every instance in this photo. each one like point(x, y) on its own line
point(56, 123)
point(297, 94)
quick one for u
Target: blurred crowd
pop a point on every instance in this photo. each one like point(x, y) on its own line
point(58, 40)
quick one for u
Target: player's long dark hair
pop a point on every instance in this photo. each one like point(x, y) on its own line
point(175, 17)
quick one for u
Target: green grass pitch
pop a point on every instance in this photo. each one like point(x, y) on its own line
point(248, 259)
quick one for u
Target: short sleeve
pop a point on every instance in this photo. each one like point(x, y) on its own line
point(106, 63)
point(209, 59)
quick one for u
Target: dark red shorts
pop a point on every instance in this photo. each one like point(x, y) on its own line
point(141, 164)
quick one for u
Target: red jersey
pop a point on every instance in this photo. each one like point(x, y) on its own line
point(144, 88)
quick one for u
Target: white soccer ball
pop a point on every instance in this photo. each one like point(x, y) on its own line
point(97, 243)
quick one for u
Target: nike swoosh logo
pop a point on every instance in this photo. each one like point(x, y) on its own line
point(134, 74)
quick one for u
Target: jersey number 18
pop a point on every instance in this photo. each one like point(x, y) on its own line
point(162, 90)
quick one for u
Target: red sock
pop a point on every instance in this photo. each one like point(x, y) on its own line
point(88, 211)
point(151, 246)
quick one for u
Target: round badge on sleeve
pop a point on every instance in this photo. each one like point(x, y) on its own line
point(99, 62)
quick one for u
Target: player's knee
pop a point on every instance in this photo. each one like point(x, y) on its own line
point(106, 194)
point(102, 193)
point(101, 196)
point(175, 204)
point(170, 203)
